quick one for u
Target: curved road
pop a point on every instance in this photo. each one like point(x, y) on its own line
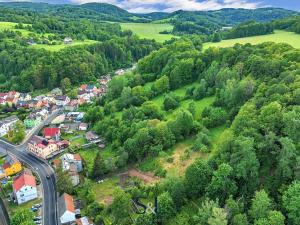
point(42, 168)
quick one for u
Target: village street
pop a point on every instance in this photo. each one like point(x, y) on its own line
point(42, 168)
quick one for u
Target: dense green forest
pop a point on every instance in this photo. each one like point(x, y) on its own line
point(290, 24)
point(251, 176)
point(208, 22)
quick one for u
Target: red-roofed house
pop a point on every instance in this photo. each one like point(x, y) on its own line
point(52, 133)
point(41, 147)
point(24, 188)
point(66, 209)
point(83, 87)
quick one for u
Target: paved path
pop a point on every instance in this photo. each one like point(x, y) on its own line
point(42, 168)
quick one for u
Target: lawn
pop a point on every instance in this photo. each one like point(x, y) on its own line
point(279, 36)
point(149, 30)
point(11, 26)
point(55, 48)
point(104, 191)
point(13, 207)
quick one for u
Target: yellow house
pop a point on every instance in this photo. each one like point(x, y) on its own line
point(11, 166)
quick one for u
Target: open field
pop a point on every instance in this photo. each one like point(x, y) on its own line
point(55, 48)
point(27, 33)
point(11, 26)
point(149, 30)
point(279, 36)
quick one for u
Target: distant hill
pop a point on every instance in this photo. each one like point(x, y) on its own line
point(201, 20)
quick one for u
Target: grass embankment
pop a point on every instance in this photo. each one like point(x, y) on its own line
point(279, 36)
point(149, 30)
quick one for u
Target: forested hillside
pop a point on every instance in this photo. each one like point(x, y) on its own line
point(250, 175)
point(25, 68)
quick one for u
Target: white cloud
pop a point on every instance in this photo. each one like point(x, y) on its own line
point(141, 6)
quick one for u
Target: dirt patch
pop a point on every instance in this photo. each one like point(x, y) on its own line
point(180, 161)
point(147, 177)
point(108, 200)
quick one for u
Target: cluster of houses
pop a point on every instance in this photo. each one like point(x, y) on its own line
point(25, 187)
point(24, 183)
point(42, 105)
point(49, 145)
point(86, 93)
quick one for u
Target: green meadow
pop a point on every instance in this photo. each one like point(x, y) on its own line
point(149, 30)
point(27, 33)
point(59, 47)
point(11, 26)
point(279, 36)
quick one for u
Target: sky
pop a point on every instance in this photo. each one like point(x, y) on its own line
point(146, 6)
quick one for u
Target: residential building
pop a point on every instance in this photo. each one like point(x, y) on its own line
point(22, 104)
point(7, 124)
point(90, 88)
point(24, 187)
point(62, 144)
point(66, 209)
point(91, 136)
point(74, 175)
point(11, 165)
point(84, 221)
point(72, 105)
point(42, 147)
point(24, 97)
point(52, 133)
point(71, 159)
point(68, 41)
point(83, 87)
point(56, 91)
point(62, 100)
point(83, 126)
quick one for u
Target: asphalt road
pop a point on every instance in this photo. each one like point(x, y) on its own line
point(42, 168)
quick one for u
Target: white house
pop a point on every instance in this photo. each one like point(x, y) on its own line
point(84, 221)
point(24, 187)
point(66, 209)
point(71, 159)
point(7, 124)
point(62, 100)
point(83, 126)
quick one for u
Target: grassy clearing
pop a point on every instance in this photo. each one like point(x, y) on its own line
point(11, 26)
point(149, 30)
point(200, 106)
point(89, 156)
point(55, 48)
point(279, 36)
point(104, 191)
point(180, 159)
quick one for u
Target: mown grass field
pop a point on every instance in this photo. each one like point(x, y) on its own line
point(279, 36)
point(149, 30)
point(55, 48)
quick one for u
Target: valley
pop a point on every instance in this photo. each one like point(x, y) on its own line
point(149, 118)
